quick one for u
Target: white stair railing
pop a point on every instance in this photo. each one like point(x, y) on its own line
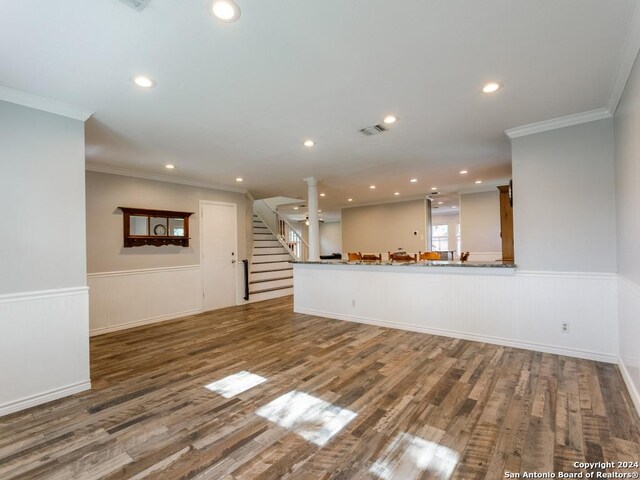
point(290, 239)
point(280, 228)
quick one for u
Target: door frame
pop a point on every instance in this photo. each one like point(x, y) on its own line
point(235, 243)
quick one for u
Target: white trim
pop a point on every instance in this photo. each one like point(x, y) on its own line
point(125, 172)
point(633, 393)
point(627, 60)
point(141, 271)
point(489, 186)
point(42, 294)
point(552, 274)
point(140, 323)
point(44, 397)
point(559, 122)
point(44, 104)
point(235, 242)
point(569, 352)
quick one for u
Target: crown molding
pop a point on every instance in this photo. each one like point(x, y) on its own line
point(45, 104)
point(125, 172)
point(490, 186)
point(559, 122)
point(627, 60)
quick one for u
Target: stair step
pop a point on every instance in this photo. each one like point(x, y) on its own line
point(271, 279)
point(269, 285)
point(266, 243)
point(276, 257)
point(270, 275)
point(270, 295)
point(259, 251)
point(270, 290)
point(272, 261)
point(269, 266)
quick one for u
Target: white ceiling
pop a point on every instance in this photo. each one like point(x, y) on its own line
point(238, 99)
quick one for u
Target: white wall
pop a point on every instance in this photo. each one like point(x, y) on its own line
point(564, 200)
point(330, 238)
point(627, 180)
point(44, 342)
point(480, 225)
point(141, 285)
point(523, 310)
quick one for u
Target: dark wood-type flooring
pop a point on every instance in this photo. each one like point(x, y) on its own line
point(416, 406)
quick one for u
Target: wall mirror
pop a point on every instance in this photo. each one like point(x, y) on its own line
point(155, 227)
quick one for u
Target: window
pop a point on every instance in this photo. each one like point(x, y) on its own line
point(458, 238)
point(440, 238)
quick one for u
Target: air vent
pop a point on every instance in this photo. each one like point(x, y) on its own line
point(138, 5)
point(374, 130)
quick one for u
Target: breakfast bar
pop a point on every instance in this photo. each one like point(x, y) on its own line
point(491, 302)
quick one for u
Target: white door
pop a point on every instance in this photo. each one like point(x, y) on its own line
point(218, 254)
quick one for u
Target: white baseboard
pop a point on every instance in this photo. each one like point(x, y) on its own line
point(569, 352)
point(43, 397)
point(140, 323)
point(633, 392)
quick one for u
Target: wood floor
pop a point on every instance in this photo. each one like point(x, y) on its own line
point(337, 400)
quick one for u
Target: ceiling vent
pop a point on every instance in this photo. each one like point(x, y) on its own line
point(374, 130)
point(138, 5)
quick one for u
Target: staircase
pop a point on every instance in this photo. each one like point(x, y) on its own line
point(271, 274)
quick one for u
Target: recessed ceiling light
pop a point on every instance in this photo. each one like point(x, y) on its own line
point(389, 119)
point(372, 187)
point(309, 143)
point(413, 180)
point(440, 203)
point(319, 211)
point(434, 188)
point(225, 10)
point(323, 195)
point(170, 166)
point(397, 193)
point(349, 199)
point(307, 223)
point(463, 172)
point(239, 179)
point(491, 87)
point(143, 81)
point(296, 208)
point(478, 181)
point(453, 206)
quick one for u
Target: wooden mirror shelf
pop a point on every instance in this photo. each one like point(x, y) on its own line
point(143, 226)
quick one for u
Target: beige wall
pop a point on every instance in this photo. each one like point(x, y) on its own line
point(480, 222)
point(106, 192)
point(330, 238)
point(384, 228)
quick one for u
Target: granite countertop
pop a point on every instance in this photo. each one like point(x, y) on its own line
point(429, 263)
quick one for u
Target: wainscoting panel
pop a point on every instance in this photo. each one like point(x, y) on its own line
point(522, 309)
point(44, 347)
point(629, 312)
point(120, 300)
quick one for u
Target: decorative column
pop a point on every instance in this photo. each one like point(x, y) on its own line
point(314, 225)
